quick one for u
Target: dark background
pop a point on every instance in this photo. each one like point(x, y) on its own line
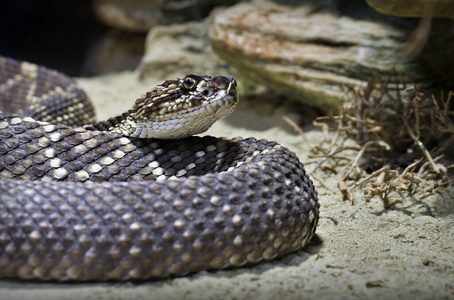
point(57, 34)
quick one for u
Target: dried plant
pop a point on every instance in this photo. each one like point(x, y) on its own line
point(403, 139)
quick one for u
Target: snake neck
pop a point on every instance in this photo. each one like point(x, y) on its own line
point(111, 123)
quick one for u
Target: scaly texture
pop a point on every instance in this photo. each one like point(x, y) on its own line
point(80, 204)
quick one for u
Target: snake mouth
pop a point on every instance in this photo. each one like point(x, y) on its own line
point(231, 90)
point(232, 96)
point(226, 105)
point(228, 84)
point(228, 96)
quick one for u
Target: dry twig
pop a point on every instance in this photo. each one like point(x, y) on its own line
point(399, 132)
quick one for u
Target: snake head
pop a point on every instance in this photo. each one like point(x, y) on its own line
point(181, 108)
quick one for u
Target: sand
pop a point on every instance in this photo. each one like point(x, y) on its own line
point(360, 251)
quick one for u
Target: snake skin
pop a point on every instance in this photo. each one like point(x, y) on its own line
point(82, 205)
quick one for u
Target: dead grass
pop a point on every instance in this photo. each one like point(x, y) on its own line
point(403, 140)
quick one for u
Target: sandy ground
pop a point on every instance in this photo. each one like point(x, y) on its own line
point(360, 251)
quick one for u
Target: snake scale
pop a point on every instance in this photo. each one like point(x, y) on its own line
point(130, 199)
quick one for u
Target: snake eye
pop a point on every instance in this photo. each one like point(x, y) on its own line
point(189, 83)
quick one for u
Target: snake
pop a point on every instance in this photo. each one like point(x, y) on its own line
point(140, 196)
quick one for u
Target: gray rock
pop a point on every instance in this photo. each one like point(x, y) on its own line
point(308, 51)
point(414, 8)
point(180, 49)
point(115, 51)
point(142, 15)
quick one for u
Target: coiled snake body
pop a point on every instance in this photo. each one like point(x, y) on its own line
point(117, 201)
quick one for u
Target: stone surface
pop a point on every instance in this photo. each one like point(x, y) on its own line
point(141, 15)
point(414, 8)
point(133, 15)
point(114, 51)
point(180, 49)
point(309, 51)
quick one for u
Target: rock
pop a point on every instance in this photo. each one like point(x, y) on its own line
point(142, 15)
point(414, 8)
point(307, 51)
point(180, 49)
point(133, 15)
point(115, 51)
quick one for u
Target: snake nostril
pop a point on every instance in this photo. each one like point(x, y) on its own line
point(221, 82)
